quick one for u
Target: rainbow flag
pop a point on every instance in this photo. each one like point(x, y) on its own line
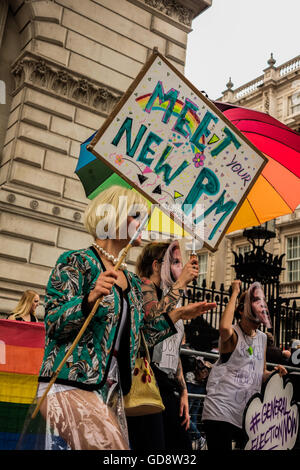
point(21, 353)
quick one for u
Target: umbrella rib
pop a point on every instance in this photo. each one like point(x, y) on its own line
point(279, 163)
point(268, 137)
point(262, 121)
point(292, 210)
point(270, 123)
point(253, 210)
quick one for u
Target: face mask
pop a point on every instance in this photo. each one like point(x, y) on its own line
point(255, 305)
point(176, 264)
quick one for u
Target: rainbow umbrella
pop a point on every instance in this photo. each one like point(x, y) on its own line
point(277, 189)
point(275, 193)
point(94, 174)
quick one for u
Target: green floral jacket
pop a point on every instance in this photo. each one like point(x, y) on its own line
point(70, 282)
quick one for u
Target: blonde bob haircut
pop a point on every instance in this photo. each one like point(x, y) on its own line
point(110, 210)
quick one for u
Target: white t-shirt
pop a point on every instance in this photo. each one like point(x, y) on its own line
point(231, 384)
point(166, 353)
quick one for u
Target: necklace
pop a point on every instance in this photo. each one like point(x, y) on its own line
point(109, 256)
point(248, 338)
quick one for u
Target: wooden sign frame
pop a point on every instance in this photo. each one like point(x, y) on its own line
point(231, 129)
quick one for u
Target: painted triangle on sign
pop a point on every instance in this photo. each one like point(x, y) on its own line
point(142, 178)
point(147, 170)
point(157, 190)
point(177, 195)
point(214, 139)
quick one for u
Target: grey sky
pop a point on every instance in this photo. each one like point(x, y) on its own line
point(234, 38)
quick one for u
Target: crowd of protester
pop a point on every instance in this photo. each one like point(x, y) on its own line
point(90, 387)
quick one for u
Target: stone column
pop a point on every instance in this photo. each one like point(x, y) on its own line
point(269, 95)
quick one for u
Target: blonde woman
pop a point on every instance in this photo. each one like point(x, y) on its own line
point(26, 308)
point(84, 408)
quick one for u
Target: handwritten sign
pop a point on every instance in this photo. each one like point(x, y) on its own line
point(271, 420)
point(172, 144)
point(295, 357)
point(166, 352)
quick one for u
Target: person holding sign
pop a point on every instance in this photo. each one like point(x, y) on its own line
point(167, 365)
point(162, 290)
point(84, 408)
point(240, 370)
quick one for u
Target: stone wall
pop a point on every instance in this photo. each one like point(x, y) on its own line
point(65, 64)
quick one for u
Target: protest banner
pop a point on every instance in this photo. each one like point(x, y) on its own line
point(174, 146)
point(271, 419)
point(21, 353)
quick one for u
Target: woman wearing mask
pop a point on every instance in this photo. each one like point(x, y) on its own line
point(166, 360)
point(163, 281)
point(240, 370)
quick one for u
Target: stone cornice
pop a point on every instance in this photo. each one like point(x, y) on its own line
point(170, 10)
point(173, 9)
point(31, 69)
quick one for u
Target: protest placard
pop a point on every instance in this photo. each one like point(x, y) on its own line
point(173, 145)
point(271, 419)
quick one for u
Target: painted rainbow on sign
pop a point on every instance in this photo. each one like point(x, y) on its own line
point(192, 119)
point(21, 355)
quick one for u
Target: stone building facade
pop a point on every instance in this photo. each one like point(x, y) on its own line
point(276, 92)
point(64, 65)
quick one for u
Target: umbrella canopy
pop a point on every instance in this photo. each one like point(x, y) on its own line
point(277, 189)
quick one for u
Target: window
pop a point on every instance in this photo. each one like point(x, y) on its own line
point(294, 103)
point(242, 249)
point(293, 258)
point(202, 260)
